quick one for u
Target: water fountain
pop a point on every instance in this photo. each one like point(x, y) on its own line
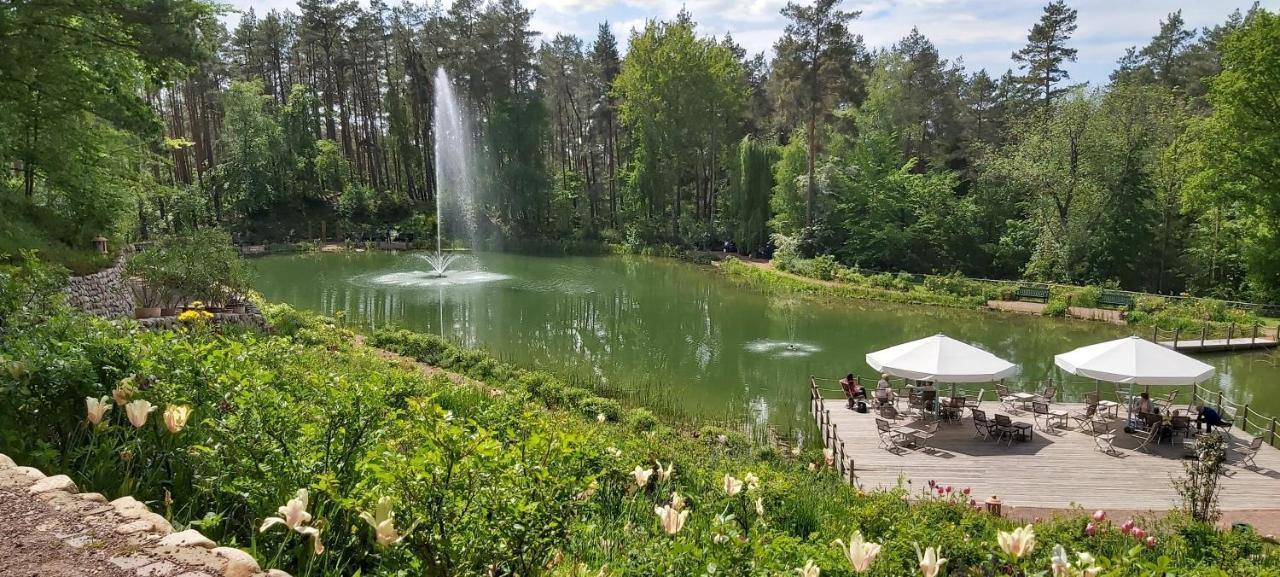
point(457, 168)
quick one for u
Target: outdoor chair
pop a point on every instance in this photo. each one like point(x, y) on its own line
point(1167, 402)
point(1180, 425)
point(1007, 399)
point(919, 437)
point(916, 403)
point(975, 402)
point(1089, 413)
point(1004, 427)
point(1248, 453)
point(1104, 437)
point(1041, 412)
point(954, 409)
point(891, 413)
point(983, 427)
point(1091, 399)
point(1049, 394)
point(890, 440)
point(1150, 435)
point(885, 398)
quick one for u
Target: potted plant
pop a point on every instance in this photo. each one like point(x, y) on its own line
point(144, 274)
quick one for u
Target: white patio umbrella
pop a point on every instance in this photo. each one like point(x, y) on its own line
point(940, 358)
point(1133, 361)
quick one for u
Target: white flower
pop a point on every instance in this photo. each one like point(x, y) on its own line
point(1060, 563)
point(931, 561)
point(95, 408)
point(760, 506)
point(664, 475)
point(859, 552)
point(809, 569)
point(1019, 542)
point(613, 451)
point(600, 418)
point(642, 475)
point(175, 417)
point(383, 522)
point(829, 456)
point(138, 411)
point(752, 481)
point(292, 515)
point(672, 520)
point(677, 501)
point(731, 486)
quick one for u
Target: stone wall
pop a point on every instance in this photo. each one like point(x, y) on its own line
point(53, 530)
point(104, 293)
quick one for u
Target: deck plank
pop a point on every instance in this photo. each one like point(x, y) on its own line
point(1053, 470)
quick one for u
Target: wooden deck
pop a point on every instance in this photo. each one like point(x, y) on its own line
point(1053, 470)
point(1218, 345)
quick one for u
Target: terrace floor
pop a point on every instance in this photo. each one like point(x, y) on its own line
point(1054, 469)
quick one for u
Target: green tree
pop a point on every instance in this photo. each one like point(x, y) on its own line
point(1046, 52)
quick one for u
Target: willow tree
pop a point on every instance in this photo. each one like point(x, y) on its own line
point(750, 184)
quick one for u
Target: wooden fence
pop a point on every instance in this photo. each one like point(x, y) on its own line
point(841, 461)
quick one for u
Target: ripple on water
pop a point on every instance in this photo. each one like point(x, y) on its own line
point(423, 279)
point(783, 349)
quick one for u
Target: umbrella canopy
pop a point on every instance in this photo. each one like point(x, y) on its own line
point(1135, 361)
point(941, 358)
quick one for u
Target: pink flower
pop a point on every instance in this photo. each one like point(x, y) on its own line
point(948, 489)
point(939, 490)
point(1127, 527)
point(1090, 529)
point(1139, 534)
point(931, 483)
point(1099, 515)
point(1151, 542)
point(965, 490)
point(973, 503)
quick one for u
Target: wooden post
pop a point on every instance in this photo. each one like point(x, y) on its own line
point(1155, 334)
point(1176, 331)
point(1273, 430)
point(1231, 329)
point(853, 478)
point(1204, 330)
point(1244, 421)
point(1253, 339)
point(1219, 401)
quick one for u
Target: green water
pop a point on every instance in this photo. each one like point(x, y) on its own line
point(684, 337)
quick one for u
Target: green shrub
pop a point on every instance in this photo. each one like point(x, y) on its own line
point(595, 406)
point(641, 420)
point(1056, 307)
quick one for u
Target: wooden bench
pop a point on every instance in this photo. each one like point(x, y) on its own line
point(1032, 293)
point(1115, 299)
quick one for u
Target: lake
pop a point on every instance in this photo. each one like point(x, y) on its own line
point(679, 336)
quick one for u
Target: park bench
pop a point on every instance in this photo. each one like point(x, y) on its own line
point(1115, 299)
point(1026, 293)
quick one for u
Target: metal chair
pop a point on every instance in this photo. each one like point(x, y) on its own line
point(975, 402)
point(1248, 453)
point(1049, 394)
point(981, 424)
point(954, 409)
point(1041, 412)
point(1090, 413)
point(1104, 438)
point(890, 412)
point(1004, 427)
point(1180, 425)
point(919, 437)
point(1150, 435)
point(1007, 399)
point(890, 440)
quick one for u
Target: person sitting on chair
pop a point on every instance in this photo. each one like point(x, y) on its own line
point(851, 389)
point(884, 394)
point(1145, 406)
point(1209, 417)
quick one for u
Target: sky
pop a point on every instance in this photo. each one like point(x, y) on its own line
point(981, 32)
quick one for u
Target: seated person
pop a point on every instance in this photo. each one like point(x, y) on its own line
point(1209, 417)
point(851, 389)
point(884, 393)
point(1145, 406)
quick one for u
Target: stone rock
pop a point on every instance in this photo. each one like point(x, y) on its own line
point(138, 526)
point(54, 483)
point(188, 538)
point(130, 507)
point(6, 462)
point(239, 563)
point(31, 472)
point(193, 574)
point(157, 569)
point(130, 562)
point(158, 523)
point(277, 573)
point(95, 497)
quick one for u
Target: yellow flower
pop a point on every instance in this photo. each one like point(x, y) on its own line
point(138, 411)
point(383, 522)
point(175, 417)
point(672, 520)
point(1019, 542)
point(123, 391)
point(931, 561)
point(859, 552)
point(809, 569)
point(731, 486)
point(96, 408)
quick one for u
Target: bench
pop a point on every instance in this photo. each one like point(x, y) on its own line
point(1115, 299)
point(1032, 293)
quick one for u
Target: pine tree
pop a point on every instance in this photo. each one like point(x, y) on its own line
point(1046, 50)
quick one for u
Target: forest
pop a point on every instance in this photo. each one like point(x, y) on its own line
point(142, 118)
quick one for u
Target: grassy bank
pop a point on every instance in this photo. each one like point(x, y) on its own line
point(29, 227)
point(512, 473)
point(825, 278)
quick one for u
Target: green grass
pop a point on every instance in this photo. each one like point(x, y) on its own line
point(25, 226)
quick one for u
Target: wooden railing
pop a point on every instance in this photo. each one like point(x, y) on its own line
point(830, 436)
point(1211, 331)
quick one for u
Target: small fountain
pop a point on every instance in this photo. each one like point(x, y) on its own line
point(439, 262)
